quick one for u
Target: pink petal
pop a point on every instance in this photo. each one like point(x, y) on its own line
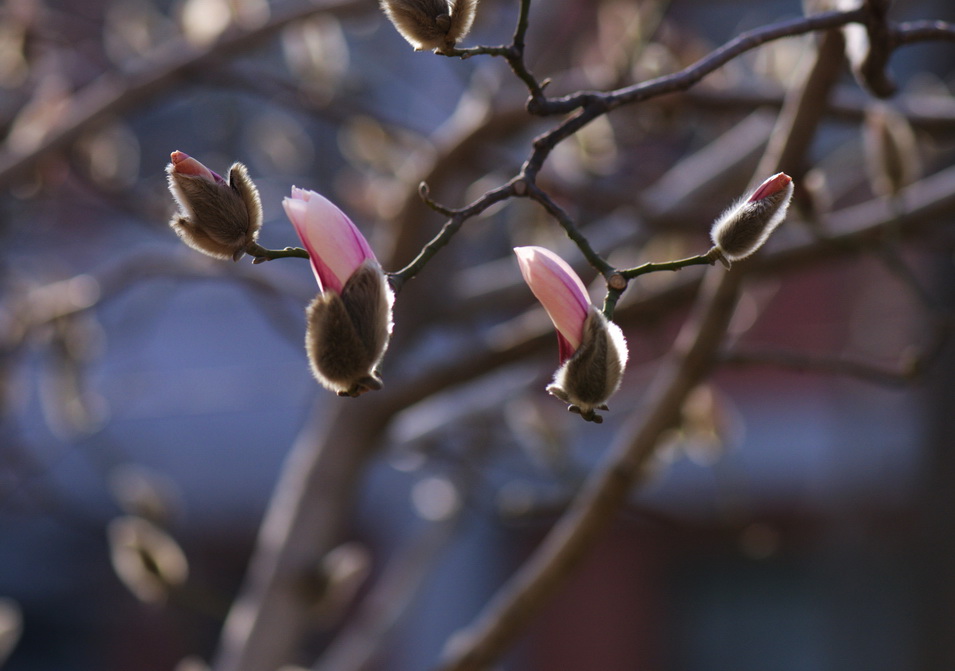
point(772, 185)
point(564, 349)
point(559, 290)
point(184, 164)
point(335, 244)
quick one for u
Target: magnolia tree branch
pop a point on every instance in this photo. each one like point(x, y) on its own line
point(587, 106)
point(313, 497)
point(305, 520)
point(605, 491)
point(859, 224)
point(850, 232)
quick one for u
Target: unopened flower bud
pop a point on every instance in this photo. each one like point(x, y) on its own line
point(746, 226)
point(11, 627)
point(434, 25)
point(892, 159)
point(342, 572)
point(592, 350)
point(593, 374)
point(349, 322)
point(147, 559)
point(217, 217)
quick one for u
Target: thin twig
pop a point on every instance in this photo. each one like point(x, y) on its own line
point(566, 222)
point(684, 79)
point(513, 54)
point(458, 217)
point(911, 32)
point(260, 254)
point(699, 260)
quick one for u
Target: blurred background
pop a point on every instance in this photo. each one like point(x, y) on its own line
point(801, 517)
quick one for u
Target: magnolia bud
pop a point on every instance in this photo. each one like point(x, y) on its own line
point(431, 24)
point(746, 226)
point(592, 350)
point(349, 322)
point(347, 333)
point(593, 373)
point(216, 217)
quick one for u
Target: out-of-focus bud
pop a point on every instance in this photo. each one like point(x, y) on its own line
point(217, 217)
point(343, 571)
point(746, 226)
point(435, 25)
point(146, 558)
point(892, 159)
point(191, 663)
point(144, 493)
point(349, 322)
point(11, 627)
point(593, 351)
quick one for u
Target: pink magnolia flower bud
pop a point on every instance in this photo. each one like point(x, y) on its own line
point(217, 217)
point(349, 322)
point(593, 351)
point(431, 24)
point(746, 226)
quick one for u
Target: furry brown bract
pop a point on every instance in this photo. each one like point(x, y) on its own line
point(435, 25)
point(217, 217)
point(593, 373)
point(347, 334)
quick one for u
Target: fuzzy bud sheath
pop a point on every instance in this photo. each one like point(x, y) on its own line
point(746, 226)
point(349, 323)
point(216, 217)
point(592, 350)
point(433, 25)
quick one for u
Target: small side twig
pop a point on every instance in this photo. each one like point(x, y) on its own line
point(700, 260)
point(260, 254)
point(910, 32)
point(454, 223)
point(537, 194)
point(514, 55)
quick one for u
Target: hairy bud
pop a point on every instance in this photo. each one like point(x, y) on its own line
point(435, 25)
point(217, 217)
point(349, 322)
point(593, 373)
point(592, 350)
point(347, 333)
point(746, 226)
